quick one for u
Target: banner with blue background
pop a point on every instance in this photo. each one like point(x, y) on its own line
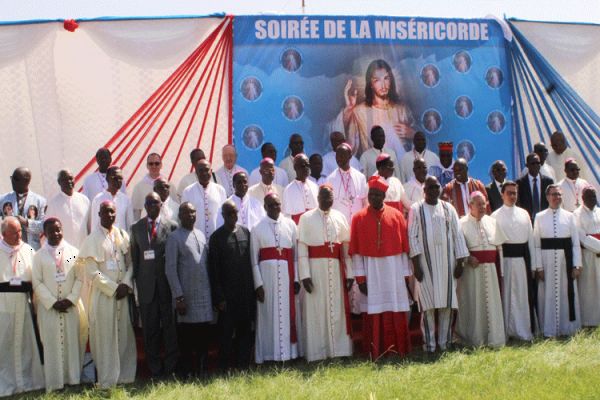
point(313, 75)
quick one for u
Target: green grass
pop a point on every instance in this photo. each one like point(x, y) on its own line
point(553, 369)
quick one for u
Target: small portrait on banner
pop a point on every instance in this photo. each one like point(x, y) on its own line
point(466, 150)
point(253, 137)
point(496, 121)
point(463, 106)
point(494, 77)
point(432, 121)
point(430, 75)
point(251, 88)
point(291, 60)
point(293, 108)
point(462, 61)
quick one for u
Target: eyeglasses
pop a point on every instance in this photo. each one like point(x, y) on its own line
point(556, 194)
point(154, 163)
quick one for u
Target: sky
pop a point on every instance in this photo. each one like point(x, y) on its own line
point(586, 11)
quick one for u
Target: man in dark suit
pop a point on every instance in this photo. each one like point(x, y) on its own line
point(495, 187)
point(532, 187)
point(148, 239)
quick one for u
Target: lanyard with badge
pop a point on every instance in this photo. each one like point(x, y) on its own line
point(112, 264)
point(149, 254)
point(59, 274)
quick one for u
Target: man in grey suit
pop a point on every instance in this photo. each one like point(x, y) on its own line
point(187, 272)
point(148, 241)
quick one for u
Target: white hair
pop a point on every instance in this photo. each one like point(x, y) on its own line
point(6, 222)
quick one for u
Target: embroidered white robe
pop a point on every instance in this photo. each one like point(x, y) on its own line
point(588, 223)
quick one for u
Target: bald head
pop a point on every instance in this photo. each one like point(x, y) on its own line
point(11, 231)
point(229, 156)
point(66, 182)
point(20, 179)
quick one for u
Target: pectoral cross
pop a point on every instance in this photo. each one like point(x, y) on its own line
point(331, 247)
point(279, 250)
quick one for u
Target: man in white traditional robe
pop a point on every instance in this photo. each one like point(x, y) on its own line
point(107, 262)
point(97, 182)
point(273, 252)
point(557, 266)
point(268, 150)
point(170, 208)
point(572, 186)
point(325, 269)
point(20, 367)
point(207, 197)
point(191, 178)
point(587, 218)
point(266, 184)
point(437, 250)
point(480, 320)
point(57, 283)
point(224, 175)
point(419, 151)
point(300, 195)
point(518, 292)
point(369, 157)
point(329, 159)
point(124, 217)
point(414, 188)
point(379, 249)
point(349, 185)
point(146, 185)
point(560, 153)
point(71, 208)
point(444, 172)
point(296, 146)
point(250, 210)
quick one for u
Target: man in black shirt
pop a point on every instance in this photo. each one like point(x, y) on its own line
point(232, 287)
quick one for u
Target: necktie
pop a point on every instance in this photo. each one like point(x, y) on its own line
point(153, 230)
point(536, 198)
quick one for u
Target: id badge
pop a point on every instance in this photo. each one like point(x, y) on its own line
point(15, 281)
point(111, 265)
point(60, 277)
point(149, 255)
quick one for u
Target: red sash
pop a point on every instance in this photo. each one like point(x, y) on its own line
point(324, 251)
point(490, 256)
point(284, 254)
point(395, 204)
point(594, 235)
point(296, 217)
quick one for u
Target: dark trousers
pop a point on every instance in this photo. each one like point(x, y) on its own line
point(235, 339)
point(158, 323)
point(193, 341)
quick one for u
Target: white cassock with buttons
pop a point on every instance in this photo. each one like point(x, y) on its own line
point(208, 201)
point(299, 197)
point(553, 300)
point(273, 327)
point(105, 257)
point(480, 319)
point(324, 327)
point(55, 277)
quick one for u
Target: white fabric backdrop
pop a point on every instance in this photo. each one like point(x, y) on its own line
point(574, 51)
point(65, 94)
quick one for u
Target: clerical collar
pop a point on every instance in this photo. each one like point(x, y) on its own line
point(499, 184)
point(473, 217)
point(66, 195)
point(274, 221)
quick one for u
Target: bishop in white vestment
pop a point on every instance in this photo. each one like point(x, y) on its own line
point(480, 320)
point(325, 268)
point(300, 195)
point(273, 253)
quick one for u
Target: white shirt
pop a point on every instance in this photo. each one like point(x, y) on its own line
point(186, 181)
point(369, 158)
point(250, 211)
point(322, 179)
point(299, 197)
point(349, 191)
point(408, 159)
point(73, 213)
point(572, 192)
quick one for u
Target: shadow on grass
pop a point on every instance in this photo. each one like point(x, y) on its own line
point(305, 370)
